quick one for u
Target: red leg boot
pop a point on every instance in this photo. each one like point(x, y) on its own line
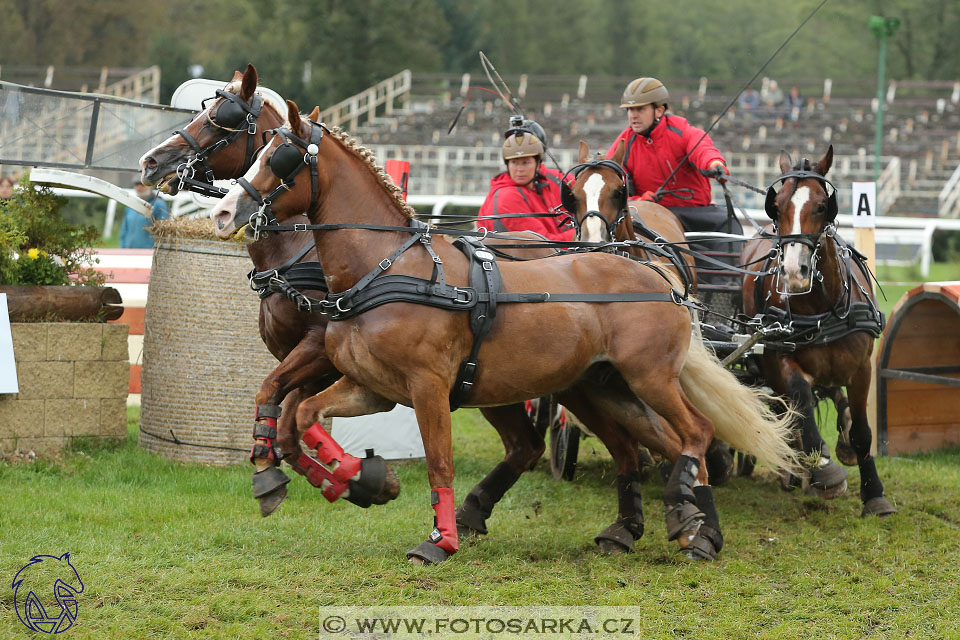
point(443, 541)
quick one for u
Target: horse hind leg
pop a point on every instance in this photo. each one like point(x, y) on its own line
point(586, 403)
point(523, 446)
point(861, 440)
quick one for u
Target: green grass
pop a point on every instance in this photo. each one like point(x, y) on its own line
point(179, 550)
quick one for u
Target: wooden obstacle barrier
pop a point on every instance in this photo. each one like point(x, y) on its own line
point(918, 371)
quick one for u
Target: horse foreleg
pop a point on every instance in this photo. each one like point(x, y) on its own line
point(861, 439)
point(430, 396)
point(306, 363)
point(337, 473)
point(844, 452)
point(620, 536)
point(523, 446)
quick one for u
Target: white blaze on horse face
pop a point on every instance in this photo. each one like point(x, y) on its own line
point(795, 253)
point(593, 226)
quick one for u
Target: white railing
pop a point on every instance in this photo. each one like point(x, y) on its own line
point(383, 94)
point(143, 86)
point(888, 187)
point(949, 198)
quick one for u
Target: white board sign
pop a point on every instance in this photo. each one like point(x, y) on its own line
point(864, 204)
point(395, 434)
point(8, 366)
point(192, 93)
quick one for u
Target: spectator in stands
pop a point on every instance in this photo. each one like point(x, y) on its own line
point(793, 103)
point(133, 231)
point(657, 142)
point(525, 187)
point(773, 95)
point(749, 100)
point(6, 188)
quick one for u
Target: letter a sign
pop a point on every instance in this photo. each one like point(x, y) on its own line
point(864, 204)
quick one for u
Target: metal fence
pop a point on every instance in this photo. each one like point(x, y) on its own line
point(41, 127)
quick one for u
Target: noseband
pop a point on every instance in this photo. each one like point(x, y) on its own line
point(287, 161)
point(231, 114)
point(811, 240)
point(569, 202)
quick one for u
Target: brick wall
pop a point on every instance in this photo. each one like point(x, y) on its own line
point(73, 380)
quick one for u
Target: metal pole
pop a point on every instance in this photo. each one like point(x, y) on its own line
point(878, 135)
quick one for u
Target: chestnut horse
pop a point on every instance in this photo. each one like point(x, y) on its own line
point(634, 361)
point(821, 288)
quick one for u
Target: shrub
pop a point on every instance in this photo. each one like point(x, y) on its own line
point(37, 246)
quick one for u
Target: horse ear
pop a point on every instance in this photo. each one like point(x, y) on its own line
point(618, 154)
point(567, 199)
point(786, 164)
point(584, 153)
point(825, 162)
point(315, 115)
point(249, 84)
point(293, 117)
point(236, 76)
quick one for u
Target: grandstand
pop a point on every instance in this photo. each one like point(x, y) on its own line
point(921, 131)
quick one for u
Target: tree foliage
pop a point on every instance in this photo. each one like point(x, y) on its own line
point(321, 51)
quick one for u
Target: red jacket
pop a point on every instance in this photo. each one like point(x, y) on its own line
point(650, 160)
point(506, 196)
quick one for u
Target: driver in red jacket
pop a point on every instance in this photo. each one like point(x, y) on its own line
point(525, 187)
point(657, 142)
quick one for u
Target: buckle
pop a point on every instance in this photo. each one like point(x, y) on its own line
point(385, 264)
point(300, 226)
point(251, 124)
point(487, 266)
point(467, 298)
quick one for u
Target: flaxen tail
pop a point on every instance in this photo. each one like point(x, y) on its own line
point(741, 415)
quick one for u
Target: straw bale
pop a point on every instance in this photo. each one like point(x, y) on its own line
point(203, 359)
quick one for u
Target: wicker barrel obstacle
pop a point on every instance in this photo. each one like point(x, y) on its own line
point(203, 359)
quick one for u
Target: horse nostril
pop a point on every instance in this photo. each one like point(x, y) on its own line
point(804, 271)
point(150, 162)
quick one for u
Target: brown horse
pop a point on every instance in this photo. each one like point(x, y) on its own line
point(598, 204)
point(635, 361)
point(819, 289)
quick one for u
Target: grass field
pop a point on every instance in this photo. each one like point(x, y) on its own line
point(170, 550)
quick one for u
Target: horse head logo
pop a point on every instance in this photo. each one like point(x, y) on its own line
point(45, 593)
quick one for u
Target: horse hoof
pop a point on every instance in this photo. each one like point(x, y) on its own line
point(391, 488)
point(616, 538)
point(427, 553)
point(878, 506)
point(271, 501)
point(828, 481)
point(613, 548)
point(845, 453)
point(830, 492)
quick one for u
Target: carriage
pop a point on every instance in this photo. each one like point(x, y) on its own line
point(631, 371)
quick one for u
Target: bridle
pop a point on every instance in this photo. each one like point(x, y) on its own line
point(570, 204)
point(811, 240)
point(234, 116)
point(291, 157)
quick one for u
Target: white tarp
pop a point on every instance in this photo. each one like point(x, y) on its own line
point(394, 434)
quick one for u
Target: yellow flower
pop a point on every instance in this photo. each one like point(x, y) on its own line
point(33, 254)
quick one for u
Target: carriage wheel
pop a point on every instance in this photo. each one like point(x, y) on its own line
point(564, 448)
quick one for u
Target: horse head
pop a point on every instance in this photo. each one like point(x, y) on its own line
point(219, 141)
point(597, 201)
point(803, 211)
point(275, 188)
